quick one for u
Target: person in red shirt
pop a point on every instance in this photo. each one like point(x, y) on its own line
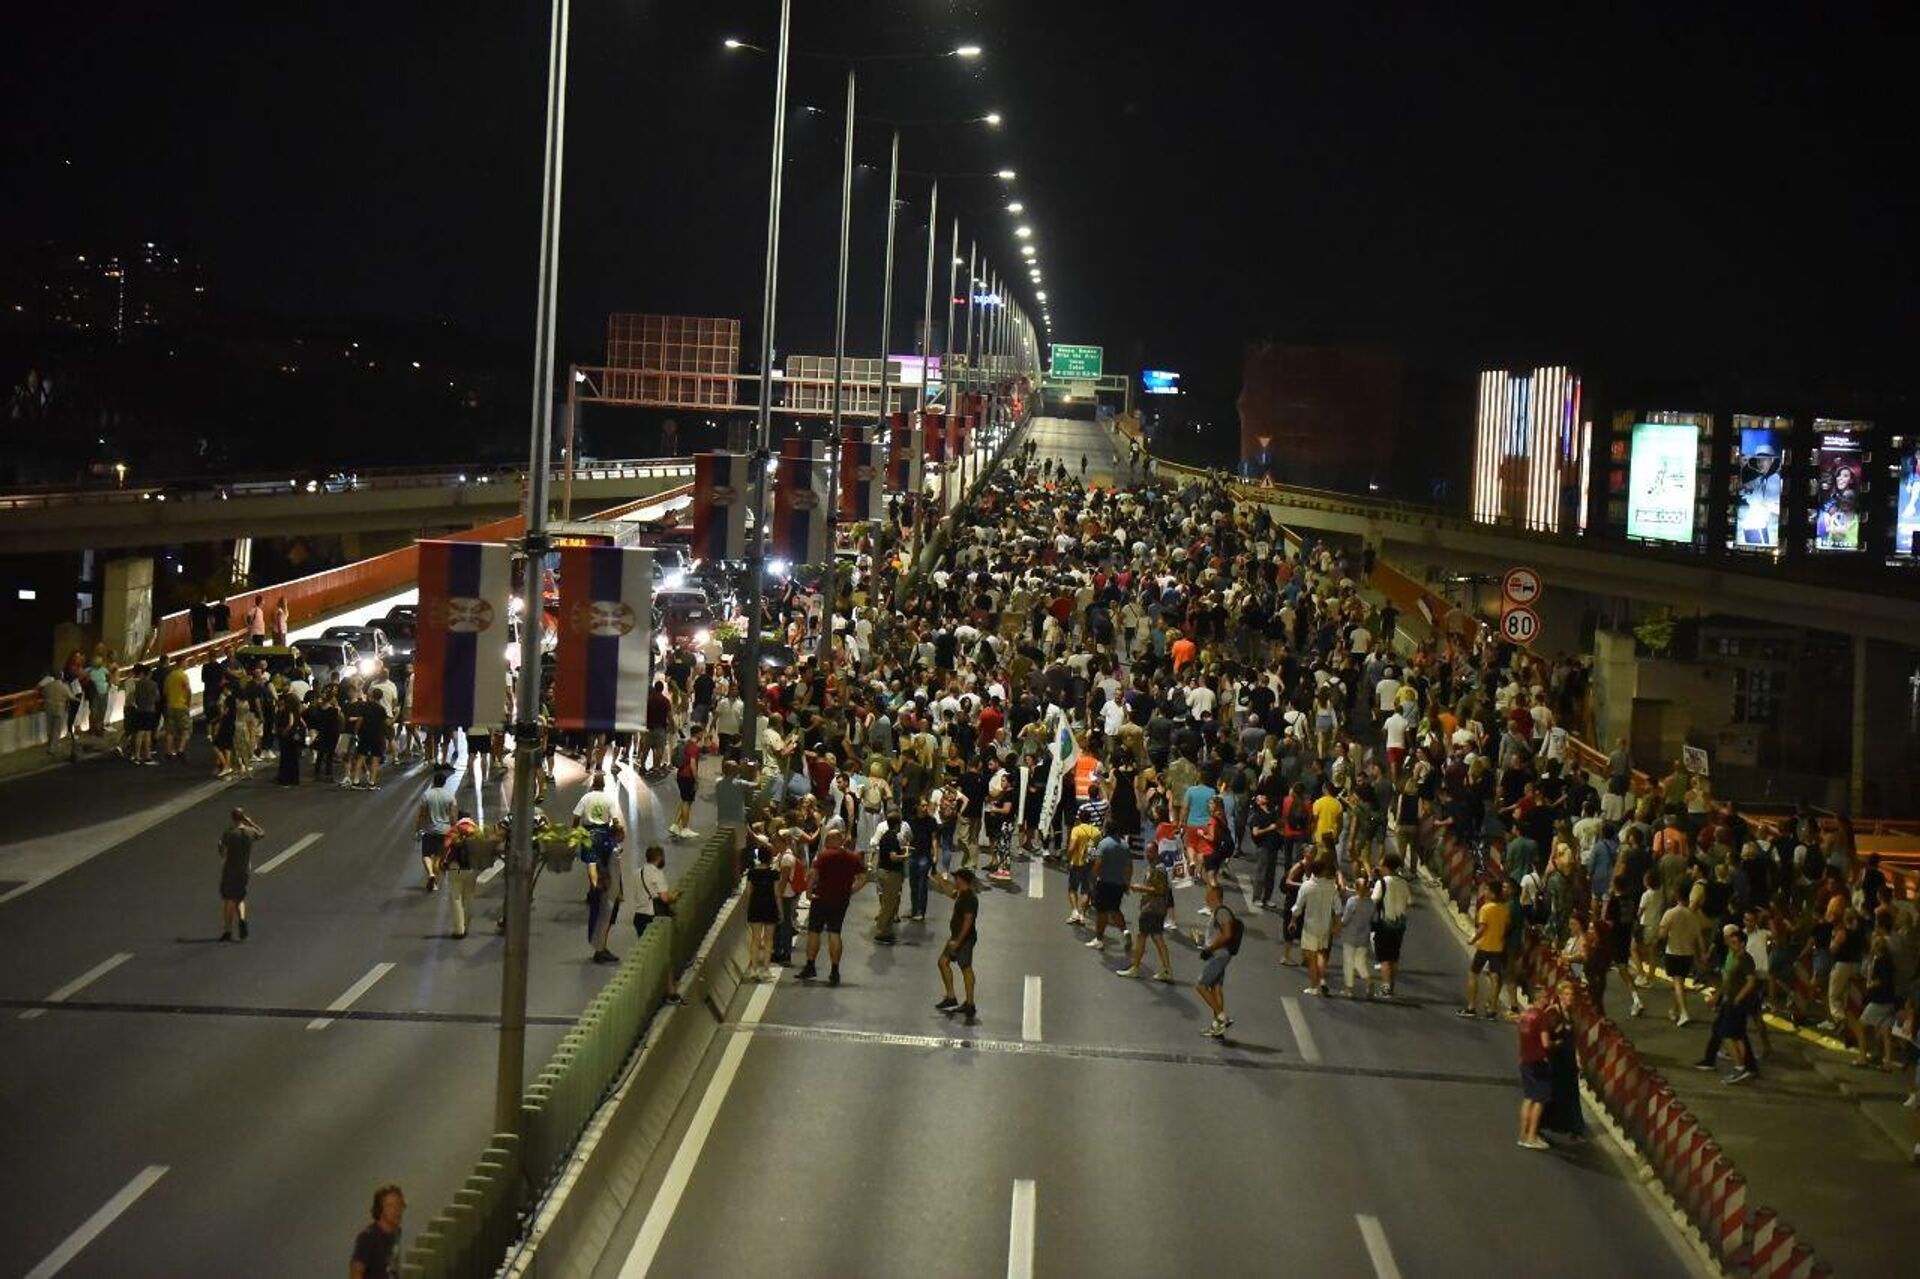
point(992, 718)
point(1539, 1027)
point(837, 874)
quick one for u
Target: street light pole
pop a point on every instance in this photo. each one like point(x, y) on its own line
point(509, 1078)
point(950, 462)
point(573, 412)
point(973, 262)
point(886, 289)
point(834, 447)
point(749, 674)
point(926, 360)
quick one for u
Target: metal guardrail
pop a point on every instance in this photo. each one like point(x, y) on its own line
point(197, 490)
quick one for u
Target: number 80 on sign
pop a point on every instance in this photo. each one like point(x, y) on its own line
point(1519, 625)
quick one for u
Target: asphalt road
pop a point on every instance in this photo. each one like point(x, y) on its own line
point(204, 1059)
point(1083, 1125)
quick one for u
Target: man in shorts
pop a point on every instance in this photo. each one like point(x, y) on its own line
point(1156, 898)
point(1218, 951)
point(1539, 1026)
point(438, 808)
point(1489, 951)
point(1112, 879)
point(962, 932)
point(1318, 907)
point(1080, 841)
point(837, 874)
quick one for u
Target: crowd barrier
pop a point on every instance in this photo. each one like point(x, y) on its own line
point(1695, 1172)
point(471, 1235)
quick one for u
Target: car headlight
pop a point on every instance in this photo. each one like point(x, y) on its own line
point(367, 665)
point(675, 580)
point(701, 636)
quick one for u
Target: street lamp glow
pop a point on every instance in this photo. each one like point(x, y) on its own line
point(1023, 231)
point(991, 117)
point(1005, 175)
point(732, 43)
point(1041, 294)
point(967, 51)
point(1016, 207)
point(1028, 249)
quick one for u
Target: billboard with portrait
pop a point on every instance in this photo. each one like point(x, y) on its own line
point(1758, 479)
point(1663, 471)
point(1837, 505)
point(1906, 498)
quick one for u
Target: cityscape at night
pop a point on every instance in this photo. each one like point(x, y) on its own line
point(666, 639)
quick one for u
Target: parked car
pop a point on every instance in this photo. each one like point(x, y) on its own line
point(684, 621)
point(327, 659)
point(399, 635)
point(371, 645)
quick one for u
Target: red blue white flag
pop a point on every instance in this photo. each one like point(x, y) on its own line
point(603, 663)
point(907, 463)
point(722, 490)
point(460, 642)
point(800, 503)
point(862, 495)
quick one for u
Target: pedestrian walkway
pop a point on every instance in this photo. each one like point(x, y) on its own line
point(1821, 1142)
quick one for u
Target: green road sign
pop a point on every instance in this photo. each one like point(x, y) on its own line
point(1074, 361)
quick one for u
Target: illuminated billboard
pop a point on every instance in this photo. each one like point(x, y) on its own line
point(1758, 482)
point(1530, 448)
point(1906, 498)
point(1837, 501)
point(1160, 382)
point(1663, 472)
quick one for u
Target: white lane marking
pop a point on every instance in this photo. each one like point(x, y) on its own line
point(1302, 1033)
point(94, 1226)
point(1020, 1230)
point(1377, 1248)
point(1037, 879)
point(80, 983)
point(660, 1215)
point(1030, 1010)
point(35, 861)
point(488, 875)
point(282, 858)
point(353, 992)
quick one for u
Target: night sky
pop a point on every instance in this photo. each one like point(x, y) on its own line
point(1668, 188)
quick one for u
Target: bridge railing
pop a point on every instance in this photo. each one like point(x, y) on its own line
point(201, 489)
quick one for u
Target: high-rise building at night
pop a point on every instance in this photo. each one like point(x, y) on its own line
point(1531, 463)
point(150, 289)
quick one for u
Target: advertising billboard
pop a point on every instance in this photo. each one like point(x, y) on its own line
point(1906, 498)
point(1160, 382)
point(1837, 505)
point(1663, 470)
point(1758, 479)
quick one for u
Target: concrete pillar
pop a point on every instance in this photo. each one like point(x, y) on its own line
point(126, 606)
point(1616, 681)
point(1886, 742)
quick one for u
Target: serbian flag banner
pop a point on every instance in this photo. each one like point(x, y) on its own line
point(603, 664)
point(934, 427)
point(906, 465)
point(862, 496)
point(460, 643)
point(800, 504)
point(721, 491)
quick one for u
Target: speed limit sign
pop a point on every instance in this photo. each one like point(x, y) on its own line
point(1520, 588)
point(1519, 625)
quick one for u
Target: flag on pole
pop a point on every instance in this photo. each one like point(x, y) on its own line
point(906, 464)
point(800, 503)
point(604, 662)
point(722, 489)
point(1066, 753)
point(460, 645)
point(862, 495)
